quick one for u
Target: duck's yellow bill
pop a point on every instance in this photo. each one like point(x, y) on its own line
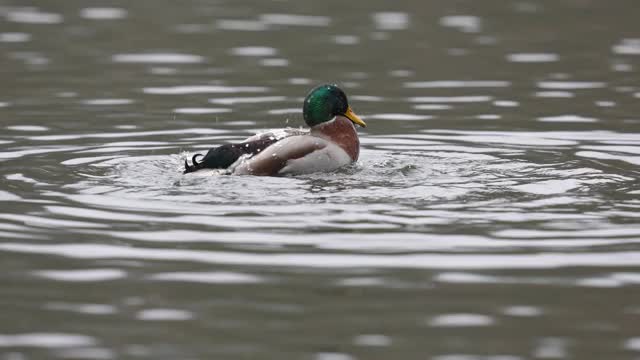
point(353, 117)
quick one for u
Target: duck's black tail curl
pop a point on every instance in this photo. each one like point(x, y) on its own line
point(196, 165)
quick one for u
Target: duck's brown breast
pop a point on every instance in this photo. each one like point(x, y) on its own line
point(342, 132)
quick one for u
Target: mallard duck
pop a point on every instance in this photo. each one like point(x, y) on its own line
point(330, 143)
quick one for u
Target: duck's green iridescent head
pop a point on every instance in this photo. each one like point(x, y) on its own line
point(326, 102)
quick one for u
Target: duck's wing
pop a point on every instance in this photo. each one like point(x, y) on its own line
point(223, 156)
point(276, 157)
point(277, 134)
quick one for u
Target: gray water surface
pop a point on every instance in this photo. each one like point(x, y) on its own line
point(493, 214)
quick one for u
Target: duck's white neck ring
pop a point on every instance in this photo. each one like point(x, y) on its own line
point(326, 123)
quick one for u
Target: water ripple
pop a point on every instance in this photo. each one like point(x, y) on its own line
point(103, 13)
point(570, 85)
point(202, 89)
point(158, 58)
point(391, 20)
point(451, 99)
point(295, 20)
point(458, 84)
point(33, 16)
point(46, 340)
point(547, 260)
point(464, 23)
point(533, 57)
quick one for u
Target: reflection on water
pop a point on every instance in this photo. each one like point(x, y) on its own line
point(493, 213)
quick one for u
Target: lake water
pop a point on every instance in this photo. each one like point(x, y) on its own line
point(493, 215)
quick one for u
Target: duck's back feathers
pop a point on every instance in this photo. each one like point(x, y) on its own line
point(277, 134)
point(224, 156)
